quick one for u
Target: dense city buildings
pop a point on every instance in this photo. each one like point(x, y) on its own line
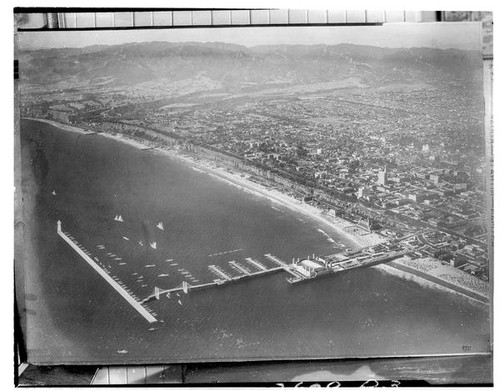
point(396, 147)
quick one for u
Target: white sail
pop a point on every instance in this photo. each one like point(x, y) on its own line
point(160, 225)
point(118, 218)
point(153, 245)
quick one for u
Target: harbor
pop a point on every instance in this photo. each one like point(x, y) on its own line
point(300, 270)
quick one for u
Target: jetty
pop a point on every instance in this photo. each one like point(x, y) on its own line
point(113, 281)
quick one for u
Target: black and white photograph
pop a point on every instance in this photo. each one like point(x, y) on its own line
point(204, 195)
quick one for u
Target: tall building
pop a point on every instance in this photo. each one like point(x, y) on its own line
point(363, 191)
point(382, 177)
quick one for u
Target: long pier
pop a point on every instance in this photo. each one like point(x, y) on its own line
point(224, 279)
point(297, 274)
point(117, 285)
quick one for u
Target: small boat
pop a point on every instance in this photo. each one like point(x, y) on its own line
point(54, 193)
point(153, 245)
point(124, 237)
point(168, 295)
point(160, 225)
point(178, 295)
point(163, 275)
point(150, 266)
point(134, 274)
point(123, 351)
point(168, 260)
point(118, 218)
point(152, 329)
point(180, 302)
point(140, 242)
point(122, 263)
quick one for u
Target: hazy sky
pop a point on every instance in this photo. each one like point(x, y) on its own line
point(436, 35)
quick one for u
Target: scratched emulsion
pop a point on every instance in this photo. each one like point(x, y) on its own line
point(112, 198)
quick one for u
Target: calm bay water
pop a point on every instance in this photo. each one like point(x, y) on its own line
point(73, 315)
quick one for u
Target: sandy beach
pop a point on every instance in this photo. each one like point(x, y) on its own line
point(448, 273)
point(426, 283)
point(60, 125)
point(337, 225)
point(355, 236)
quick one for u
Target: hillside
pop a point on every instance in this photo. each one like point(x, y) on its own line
point(235, 67)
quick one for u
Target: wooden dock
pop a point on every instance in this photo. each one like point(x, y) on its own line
point(276, 260)
point(220, 273)
point(240, 268)
point(257, 264)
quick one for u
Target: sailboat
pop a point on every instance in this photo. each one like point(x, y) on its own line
point(160, 225)
point(54, 193)
point(118, 218)
point(153, 245)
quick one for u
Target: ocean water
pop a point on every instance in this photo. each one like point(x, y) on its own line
point(71, 314)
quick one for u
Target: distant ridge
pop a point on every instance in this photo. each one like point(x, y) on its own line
point(231, 64)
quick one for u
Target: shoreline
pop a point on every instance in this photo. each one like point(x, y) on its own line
point(69, 128)
point(335, 224)
point(427, 281)
point(445, 275)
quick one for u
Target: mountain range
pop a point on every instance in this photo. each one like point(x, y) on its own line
point(234, 66)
